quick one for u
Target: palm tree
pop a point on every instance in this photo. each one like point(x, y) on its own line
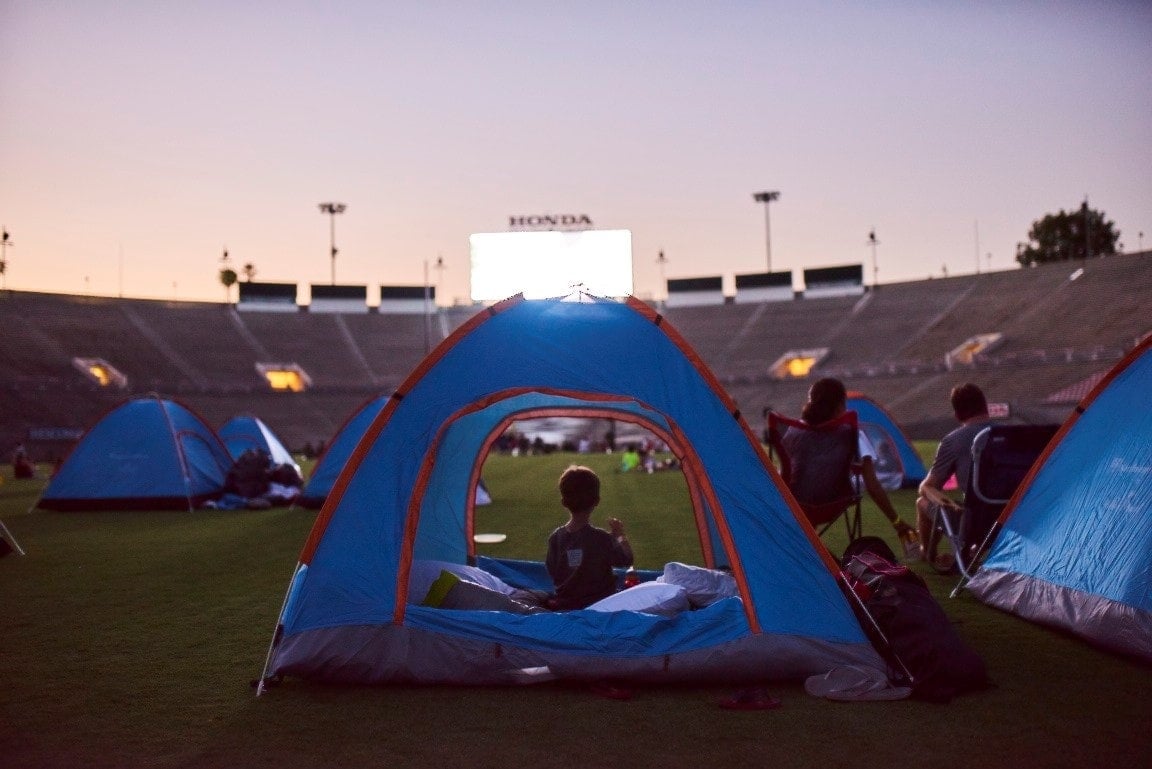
point(249, 272)
point(228, 279)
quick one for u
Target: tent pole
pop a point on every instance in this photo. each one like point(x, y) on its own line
point(276, 633)
point(7, 534)
point(965, 578)
point(179, 451)
point(876, 627)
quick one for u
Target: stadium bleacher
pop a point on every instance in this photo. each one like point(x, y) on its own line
point(1060, 325)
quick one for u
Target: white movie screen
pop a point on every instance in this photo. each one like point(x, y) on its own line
point(548, 264)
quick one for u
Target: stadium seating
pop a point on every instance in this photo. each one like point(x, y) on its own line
point(893, 342)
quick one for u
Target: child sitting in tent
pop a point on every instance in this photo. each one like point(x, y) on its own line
point(581, 556)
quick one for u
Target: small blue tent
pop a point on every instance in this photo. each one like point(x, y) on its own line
point(406, 495)
point(1075, 547)
point(146, 454)
point(898, 465)
point(331, 462)
point(244, 431)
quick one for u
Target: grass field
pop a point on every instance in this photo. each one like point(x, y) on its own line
point(130, 639)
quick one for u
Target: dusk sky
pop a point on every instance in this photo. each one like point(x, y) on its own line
point(138, 139)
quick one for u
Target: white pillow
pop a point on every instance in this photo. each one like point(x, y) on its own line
point(704, 587)
point(425, 572)
point(648, 597)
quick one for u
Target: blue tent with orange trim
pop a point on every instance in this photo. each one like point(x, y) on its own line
point(407, 492)
point(1074, 548)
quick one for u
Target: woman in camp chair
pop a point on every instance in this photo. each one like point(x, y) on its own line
point(824, 456)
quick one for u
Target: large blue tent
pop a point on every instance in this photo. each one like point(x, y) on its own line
point(1075, 546)
point(405, 494)
point(146, 454)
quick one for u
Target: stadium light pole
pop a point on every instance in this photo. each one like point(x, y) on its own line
point(332, 209)
point(428, 303)
point(766, 198)
point(427, 312)
point(5, 241)
point(872, 241)
point(439, 267)
point(662, 261)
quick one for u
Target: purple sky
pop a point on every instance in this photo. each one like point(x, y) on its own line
point(138, 139)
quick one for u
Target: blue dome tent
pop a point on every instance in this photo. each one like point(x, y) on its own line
point(146, 454)
point(327, 468)
point(244, 431)
point(899, 465)
point(331, 462)
point(1074, 549)
point(406, 493)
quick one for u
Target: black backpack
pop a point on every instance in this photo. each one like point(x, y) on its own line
point(285, 475)
point(249, 476)
point(921, 640)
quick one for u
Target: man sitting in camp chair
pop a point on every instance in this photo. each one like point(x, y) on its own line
point(823, 463)
point(1002, 456)
point(953, 457)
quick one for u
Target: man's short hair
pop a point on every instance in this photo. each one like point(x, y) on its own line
point(579, 488)
point(968, 401)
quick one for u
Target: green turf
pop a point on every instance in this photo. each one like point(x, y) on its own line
point(129, 640)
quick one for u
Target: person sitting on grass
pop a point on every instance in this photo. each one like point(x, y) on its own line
point(630, 459)
point(581, 556)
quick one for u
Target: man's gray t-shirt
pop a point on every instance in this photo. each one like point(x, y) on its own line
point(954, 455)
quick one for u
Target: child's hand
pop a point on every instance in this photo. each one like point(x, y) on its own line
point(616, 526)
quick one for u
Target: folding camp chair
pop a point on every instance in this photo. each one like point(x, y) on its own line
point(1002, 455)
point(824, 499)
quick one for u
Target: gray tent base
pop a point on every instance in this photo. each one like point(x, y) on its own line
point(1108, 624)
point(380, 654)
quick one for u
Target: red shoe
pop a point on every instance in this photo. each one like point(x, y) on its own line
point(755, 698)
point(612, 692)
